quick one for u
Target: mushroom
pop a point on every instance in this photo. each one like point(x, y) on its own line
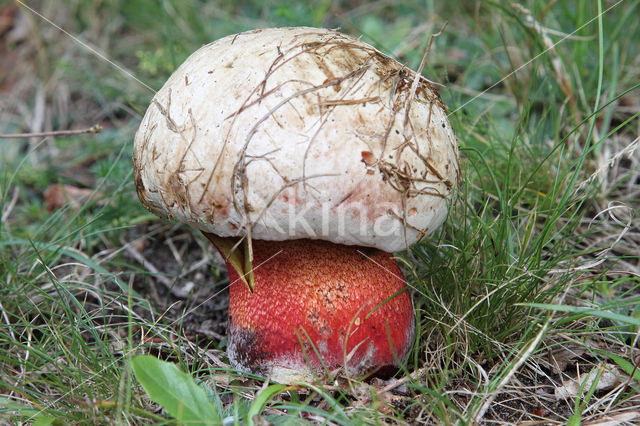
point(306, 157)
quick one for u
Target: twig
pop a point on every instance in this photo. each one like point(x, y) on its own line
point(94, 129)
point(419, 372)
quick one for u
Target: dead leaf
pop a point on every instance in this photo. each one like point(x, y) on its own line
point(359, 390)
point(616, 419)
point(609, 378)
point(561, 356)
point(207, 328)
point(7, 16)
point(628, 101)
point(218, 380)
point(259, 420)
point(19, 29)
point(58, 195)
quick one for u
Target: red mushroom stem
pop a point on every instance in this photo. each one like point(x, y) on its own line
point(318, 306)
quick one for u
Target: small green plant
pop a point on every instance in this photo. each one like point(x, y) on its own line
point(581, 403)
point(185, 400)
point(175, 391)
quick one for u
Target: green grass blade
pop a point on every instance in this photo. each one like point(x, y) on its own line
point(261, 400)
point(626, 319)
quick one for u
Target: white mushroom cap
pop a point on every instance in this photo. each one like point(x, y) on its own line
point(289, 133)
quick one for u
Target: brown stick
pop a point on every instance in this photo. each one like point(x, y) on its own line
point(94, 129)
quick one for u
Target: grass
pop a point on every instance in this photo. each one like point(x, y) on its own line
point(532, 283)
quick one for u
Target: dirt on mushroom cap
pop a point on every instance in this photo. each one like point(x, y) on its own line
point(263, 133)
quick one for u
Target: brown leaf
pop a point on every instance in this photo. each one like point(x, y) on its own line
point(628, 101)
point(565, 354)
point(609, 377)
point(7, 16)
point(58, 195)
point(613, 420)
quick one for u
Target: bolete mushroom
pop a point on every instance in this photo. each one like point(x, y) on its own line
point(306, 156)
